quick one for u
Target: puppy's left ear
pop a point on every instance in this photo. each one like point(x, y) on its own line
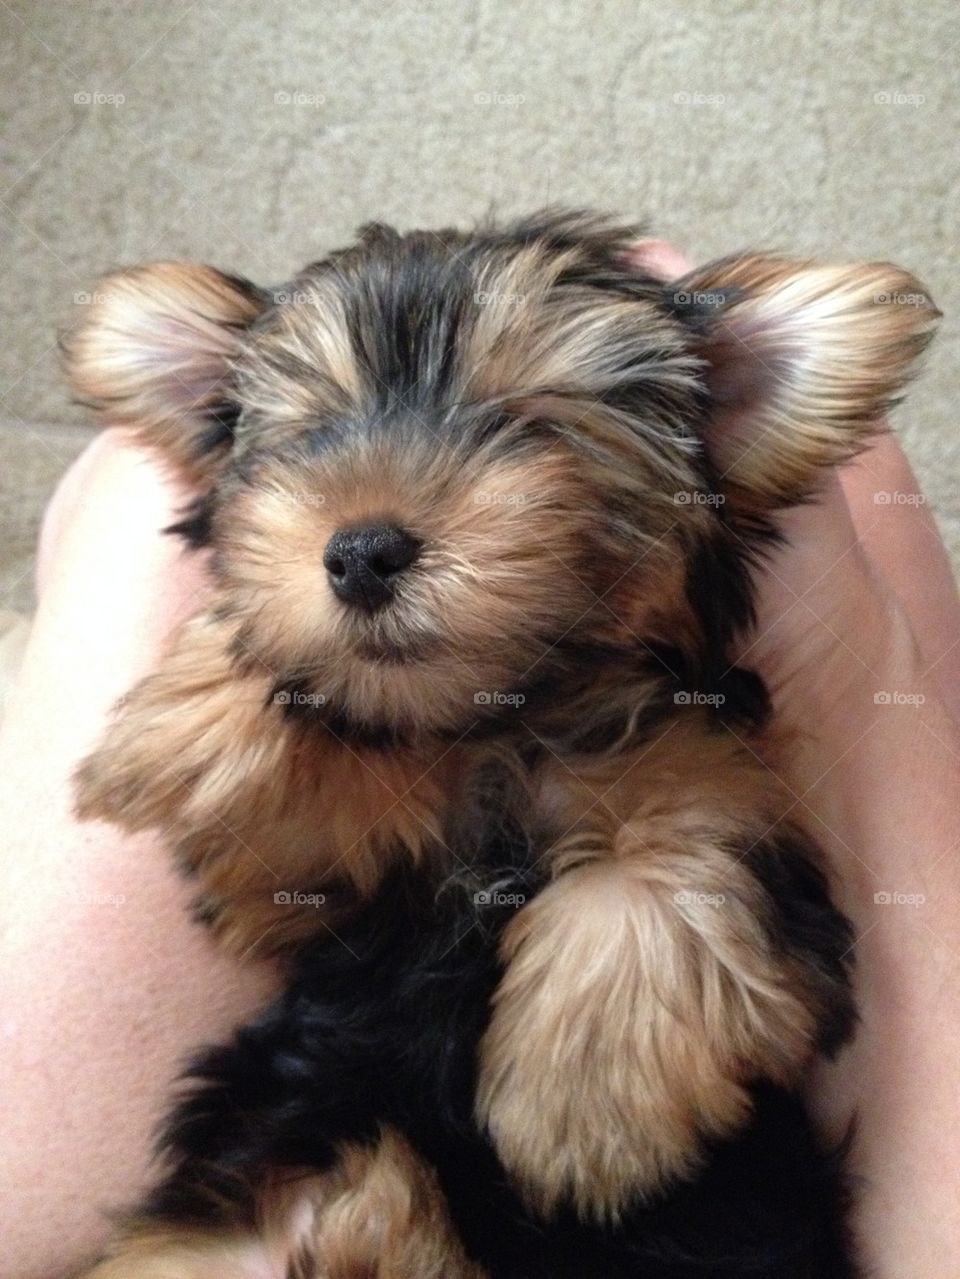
point(154, 352)
point(801, 360)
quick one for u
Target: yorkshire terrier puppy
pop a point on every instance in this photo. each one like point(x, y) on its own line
point(458, 731)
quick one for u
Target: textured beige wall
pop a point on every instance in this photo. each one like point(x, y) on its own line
point(256, 135)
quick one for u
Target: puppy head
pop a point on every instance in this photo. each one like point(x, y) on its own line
point(438, 468)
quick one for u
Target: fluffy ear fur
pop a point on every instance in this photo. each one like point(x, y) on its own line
point(153, 354)
point(802, 359)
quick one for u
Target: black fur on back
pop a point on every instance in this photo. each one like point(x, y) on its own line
point(380, 1025)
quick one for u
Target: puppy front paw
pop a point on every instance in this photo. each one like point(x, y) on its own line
point(638, 1003)
point(185, 741)
point(128, 781)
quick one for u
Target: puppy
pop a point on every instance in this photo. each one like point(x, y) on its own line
point(482, 509)
point(336, 1136)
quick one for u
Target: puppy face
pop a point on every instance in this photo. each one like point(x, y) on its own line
point(435, 496)
point(439, 469)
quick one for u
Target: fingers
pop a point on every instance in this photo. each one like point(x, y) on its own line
point(896, 528)
point(659, 258)
point(111, 585)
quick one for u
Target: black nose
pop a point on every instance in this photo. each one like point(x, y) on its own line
point(363, 564)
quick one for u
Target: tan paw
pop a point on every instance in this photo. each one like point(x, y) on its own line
point(632, 1012)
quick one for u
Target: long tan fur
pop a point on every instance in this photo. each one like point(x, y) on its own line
point(378, 1214)
point(153, 354)
point(803, 359)
point(641, 992)
point(264, 812)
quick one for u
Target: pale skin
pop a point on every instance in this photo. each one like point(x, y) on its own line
point(108, 986)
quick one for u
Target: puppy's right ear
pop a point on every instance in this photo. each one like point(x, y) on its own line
point(154, 354)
